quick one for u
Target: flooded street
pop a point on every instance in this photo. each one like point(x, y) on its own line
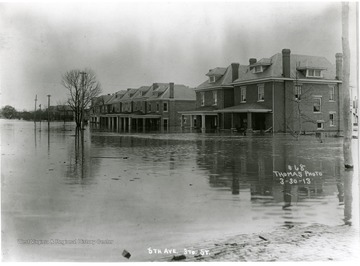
point(88, 196)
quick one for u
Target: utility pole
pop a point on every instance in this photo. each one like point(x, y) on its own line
point(49, 107)
point(82, 98)
point(35, 109)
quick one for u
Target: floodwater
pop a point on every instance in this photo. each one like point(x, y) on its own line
point(69, 196)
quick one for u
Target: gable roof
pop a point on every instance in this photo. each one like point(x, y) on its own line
point(101, 100)
point(224, 80)
point(218, 71)
point(128, 95)
point(181, 92)
point(116, 97)
point(273, 67)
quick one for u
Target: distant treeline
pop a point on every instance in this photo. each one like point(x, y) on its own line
point(56, 113)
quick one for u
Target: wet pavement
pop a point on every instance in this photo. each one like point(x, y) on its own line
point(69, 196)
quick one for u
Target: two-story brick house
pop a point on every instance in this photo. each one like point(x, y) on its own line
point(154, 107)
point(283, 93)
point(214, 94)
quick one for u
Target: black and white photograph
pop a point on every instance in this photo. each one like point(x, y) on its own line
point(179, 131)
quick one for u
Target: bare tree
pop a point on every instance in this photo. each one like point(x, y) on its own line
point(82, 87)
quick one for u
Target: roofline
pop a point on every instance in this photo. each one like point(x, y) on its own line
point(288, 79)
point(214, 87)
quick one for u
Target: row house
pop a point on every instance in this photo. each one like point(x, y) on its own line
point(283, 93)
point(155, 107)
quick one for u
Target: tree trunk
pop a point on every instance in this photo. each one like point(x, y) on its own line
point(348, 161)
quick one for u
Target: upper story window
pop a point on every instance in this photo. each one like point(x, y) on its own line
point(261, 95)
point(214, 97)
point(316, 73)
point(317, 105)
point(258, 69)
point(212, 79)
point(149, 107)
point(297, 91)
point(332, 93)
point(243, 94)
point(157, 107)
point(165, 107)
point(202, 98)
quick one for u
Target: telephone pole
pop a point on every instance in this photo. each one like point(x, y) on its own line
point(35, 109)
point(49, 107)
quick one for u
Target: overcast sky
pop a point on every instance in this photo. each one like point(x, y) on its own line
point(133, 44)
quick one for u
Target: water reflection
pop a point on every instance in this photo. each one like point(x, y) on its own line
point(252, 162)
point(78, 165)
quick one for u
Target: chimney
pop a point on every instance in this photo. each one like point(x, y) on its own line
point(286, 62)
point(235, 71)
point(252, 61)
point(155, 85)
point(339, 67)
point(171, 90)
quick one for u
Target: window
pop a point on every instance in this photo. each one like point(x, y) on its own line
point(165, 107)
point(320, 124)
point(166, 123)
point(212, 79)
point(261, 92)
point(157, 107)
point(202, 96)
point(214, 97)
point(313, 73)
point(243, 94)
point(149, 107)
point(332, 119)
point(317, 105)
point(258, 69)
point(332, 93)
point(297, 92)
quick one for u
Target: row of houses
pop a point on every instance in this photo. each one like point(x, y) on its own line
point(283, 93)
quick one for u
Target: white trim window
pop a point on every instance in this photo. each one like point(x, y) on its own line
point(332, 119)
point(320, 124)
point(243, 94)
point(313, 73)
point(261, 94)
point(332, 93)
point(297, 92)
point(317, 105)
point(165, 107)
point(202, 98)
point(157, 107)
point(149, 107)
point(215, 97)
point(212, 79)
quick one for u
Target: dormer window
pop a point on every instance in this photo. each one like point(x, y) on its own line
point(212, 79)
point(258, 69)
point(313, 73)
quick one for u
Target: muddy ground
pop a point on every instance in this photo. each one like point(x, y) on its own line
point(290, 243)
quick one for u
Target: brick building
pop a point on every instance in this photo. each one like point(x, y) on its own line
point(283, 93)
point(154, 107)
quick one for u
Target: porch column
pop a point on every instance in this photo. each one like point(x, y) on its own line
point(203, 128)
point(249, 121)
point(191, 121)
point(232, 122)
point(182, 121)
point(129, 124)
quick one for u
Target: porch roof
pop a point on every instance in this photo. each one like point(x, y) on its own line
point(246, 108)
